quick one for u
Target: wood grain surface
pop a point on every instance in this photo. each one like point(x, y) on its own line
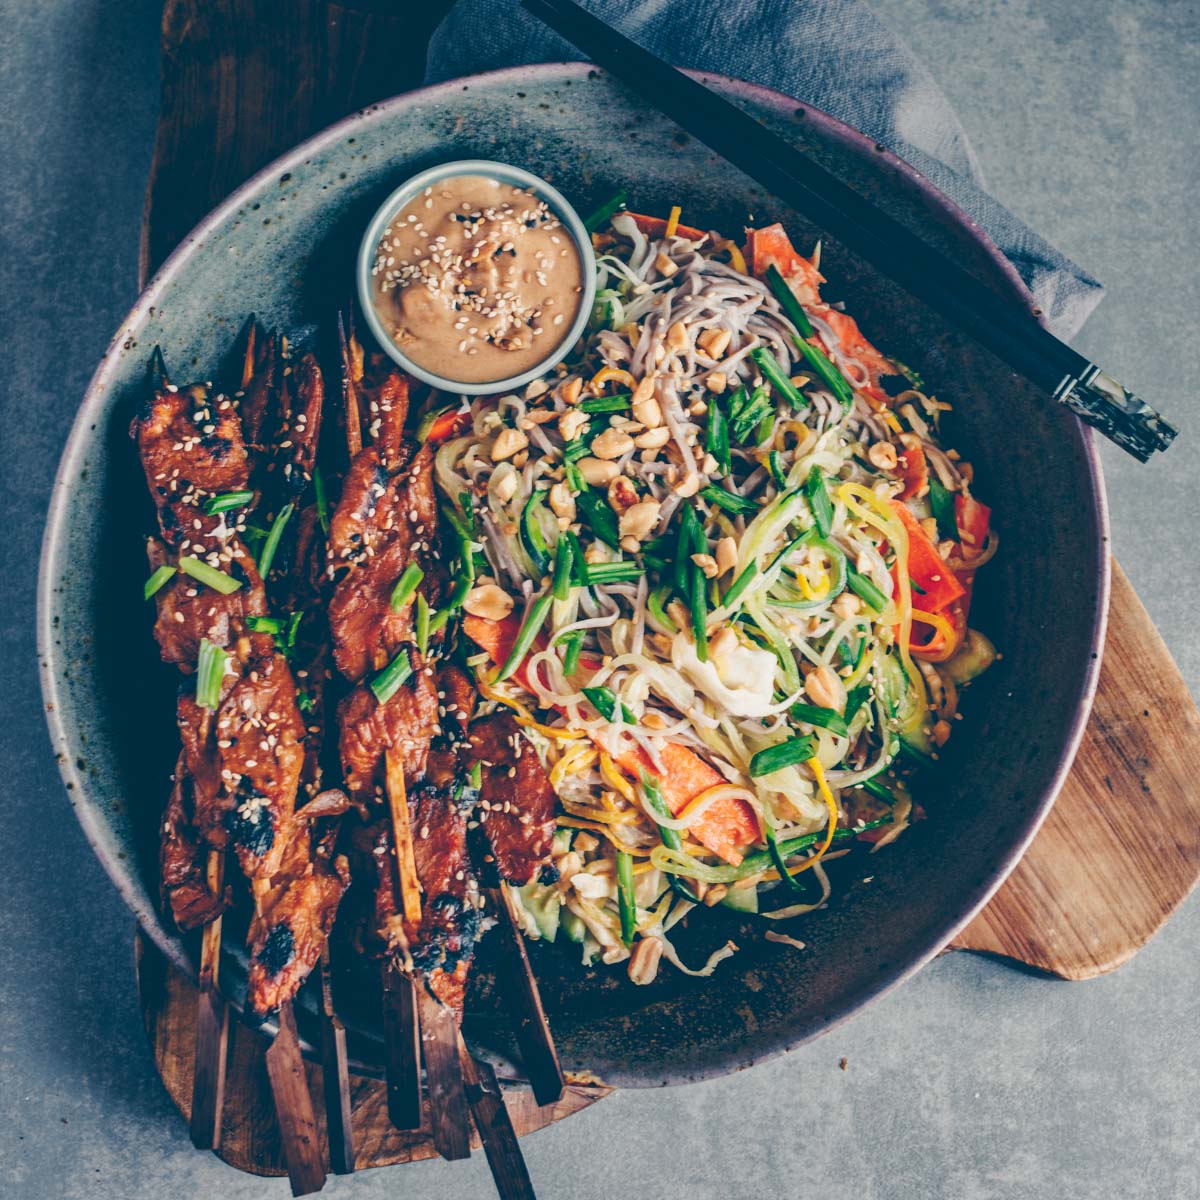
point(243, 81)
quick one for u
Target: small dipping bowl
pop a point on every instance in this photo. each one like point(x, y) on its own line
point(506, 174)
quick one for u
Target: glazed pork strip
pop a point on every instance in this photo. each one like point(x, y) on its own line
point(516, 798)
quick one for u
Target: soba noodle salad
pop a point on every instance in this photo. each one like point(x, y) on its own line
point(719, 567)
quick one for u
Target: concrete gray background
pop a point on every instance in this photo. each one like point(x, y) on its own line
point(975, 1081)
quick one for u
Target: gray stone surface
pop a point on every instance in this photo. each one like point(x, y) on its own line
point(973, 1082)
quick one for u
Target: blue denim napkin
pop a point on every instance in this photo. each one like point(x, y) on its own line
point(832, 54)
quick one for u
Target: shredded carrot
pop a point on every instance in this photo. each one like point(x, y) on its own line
point(673, 220)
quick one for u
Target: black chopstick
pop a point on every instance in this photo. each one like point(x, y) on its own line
point(1009, 331)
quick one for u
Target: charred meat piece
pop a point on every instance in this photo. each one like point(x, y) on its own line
point(182, 861)
point(295, 915)
point(516, 799)
point(302, 399)
point(405, 723)
point(387, 519)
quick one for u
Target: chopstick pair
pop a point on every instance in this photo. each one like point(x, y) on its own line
point(1009, 331)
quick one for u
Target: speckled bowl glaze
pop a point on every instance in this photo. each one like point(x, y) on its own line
point(506, 173)
point(284, 247)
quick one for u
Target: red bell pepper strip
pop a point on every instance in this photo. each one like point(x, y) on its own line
point(724, 828)
point(656, 227)
point(972, 519)
point(913, 468)
point(926, 567)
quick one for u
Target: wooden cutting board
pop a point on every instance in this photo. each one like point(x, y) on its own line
point(243, 81)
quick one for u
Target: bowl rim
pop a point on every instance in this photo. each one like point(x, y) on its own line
point(509, 173)
point(86, 811)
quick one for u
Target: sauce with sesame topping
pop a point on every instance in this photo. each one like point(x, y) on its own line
point(477, 280)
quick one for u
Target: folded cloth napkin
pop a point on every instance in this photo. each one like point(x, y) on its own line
point(832, 54)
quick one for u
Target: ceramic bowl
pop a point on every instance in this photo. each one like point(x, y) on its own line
point(506, 173)
point(284, 247)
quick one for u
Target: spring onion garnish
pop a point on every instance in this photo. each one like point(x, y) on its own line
point(596, 513)
point(811, 714)
point(786, 754)
point(690, 539)
point(698, 602)
point(780, 863)
point(654, 605)
point(535, 618)
point(874, 788)
point(264, 624)
point(730, 502)
point(739, 585)
point(855, 699)
point(778, 474)
point(210, 673)
point(605, 211)
point(209, 576)
point(747, 412)
point(625, 897)
point(716, 436)
point(322, 500)
point(577, 448)
point(768, 364)
point(532, 537)
point(220, 504)
point(862, 587)
point(788, 302)
point(158, 581)
point(605, 404)
point(612, 572)
point(605, 703)
point(476, 775)
point(578, 562)
point(406, 585)
point(574, 644)
point(829, 375)
point(819, 502)
point(941, 501)
point(387, 683)
point(422, 625)
point(272, 543)
point(564, 561)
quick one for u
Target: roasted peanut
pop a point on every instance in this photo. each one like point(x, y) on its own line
point(638, 520)
point(598, 472)
point(612, 443)
point(488, 601)
point(508, 442)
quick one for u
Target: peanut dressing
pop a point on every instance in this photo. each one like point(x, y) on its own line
point(477, 280)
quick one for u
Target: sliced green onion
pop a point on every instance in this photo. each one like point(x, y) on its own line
point(699, 607)
point(786, 754)
point(728, 501)
point(788, 302)
point(763, 429)
point(862, 587)
point(578, 562)
point(598, 515)
point(819, 502)
point(272, 543)
point(775, 466)
point(293, 627)
point(322, 501)
point(605, 703)
point(574, 643)
point(689, 533)
point(625, 899)
point(605, 404)
point(739, 585)
point(941, 501)
point(670, 837)
point(749, 412)
point(564, 561)
point(535, 618)
point(605, 211)
point(577, 448)
point(874, 788)
point(613, 572)
point(654, 605)
point(532, 537)
point(406, 585)
point(209, 576)
point(422, 623)
point(220, 504)
point(716, 436)
point(476, 775)
point(780, 863)
point(158, 581)
point(264, 624)
point(855, 699)
point(829, 375)
point(768, 364)
point(811, 714)
point(210, 673)
point(387, 683)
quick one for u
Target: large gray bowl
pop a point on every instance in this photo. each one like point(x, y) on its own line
point(283, 247)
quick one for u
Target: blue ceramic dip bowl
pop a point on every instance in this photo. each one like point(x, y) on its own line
point(504, 173)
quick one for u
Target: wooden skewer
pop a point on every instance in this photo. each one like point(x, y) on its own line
point(402, 840)
point(212, 1026)
point(401, 1047)
point(443, 1076)
point(495, 1127)
point(294, 1107)
point(335, 1069)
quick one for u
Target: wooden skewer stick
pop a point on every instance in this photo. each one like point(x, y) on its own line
point(335, 1068)
point(402, 840)
point(294, 1107)
point(495, 1127)
point(212, 1026)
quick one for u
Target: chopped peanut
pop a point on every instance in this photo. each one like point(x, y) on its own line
point(707, 564)
point(883, 456)
point(714, 342)
point(562, 502)
point(571, 423)
point(727, 555)
point(664, 266)
point(716, 381)
point(488, 601)
point(571, 390)
point(612, 443)
point(653, 439)
point(825, 689)
point(677, 337)
point(622, 495)
point(597, 472)
point(643, 963)
point(507, 443)
point(638, 520)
